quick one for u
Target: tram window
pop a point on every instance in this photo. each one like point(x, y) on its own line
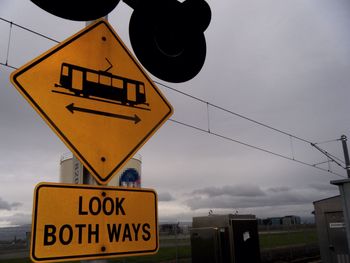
point(93, 77)
point(131, 92)
point(117, 83)
point(65, 70)
point(105, 80)
point(142, 88)
point(77, 79)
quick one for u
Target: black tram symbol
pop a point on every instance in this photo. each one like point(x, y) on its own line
point(101, 84)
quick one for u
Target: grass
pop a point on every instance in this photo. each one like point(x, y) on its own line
point(267, 240)
point(20, 260)
point(281, 239)
point(164, 254)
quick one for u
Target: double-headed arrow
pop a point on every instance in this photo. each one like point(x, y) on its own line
point(73, 108)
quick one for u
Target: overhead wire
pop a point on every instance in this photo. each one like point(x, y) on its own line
point(329, 154)
point(7, 65)
point(29, 30)
point(323, 142)
point(234, 113)
point(9, 44)
point(208, 123)
point(255, 147)
point(338, 159)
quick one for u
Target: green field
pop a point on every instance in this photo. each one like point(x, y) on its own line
point(163, 254)
point(268, 240)
point(282, 239)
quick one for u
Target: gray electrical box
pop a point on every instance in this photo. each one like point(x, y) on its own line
point(331, 230)
point(225, 239)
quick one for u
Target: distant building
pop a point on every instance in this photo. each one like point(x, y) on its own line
point(272, 221)
point(291, 220)
point(279, 221)
point(170, 229)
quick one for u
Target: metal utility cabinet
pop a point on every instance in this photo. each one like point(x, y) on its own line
point(331, 230)
point(225, 239)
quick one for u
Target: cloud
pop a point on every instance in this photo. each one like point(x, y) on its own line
point(239, 190)
point(15, 219)
point(234, 197)
point(279, 189)
point(323, 187)
point(21, 219)
point(4, 205)
point(165, 197)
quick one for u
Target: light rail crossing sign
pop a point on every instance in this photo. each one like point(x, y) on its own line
point(96, 97)
point(75, 222)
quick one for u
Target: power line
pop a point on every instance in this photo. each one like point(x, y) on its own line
point(191, 96)
point(7, 65)
point(334, 140)
point(188, 95)
point(9, 44)
point(254, 147)
point(234, 113)
point(331, 157)
point(328, 154)
point(29, 30)
point(212, 105)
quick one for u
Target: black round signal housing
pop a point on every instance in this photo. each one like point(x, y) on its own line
point(167, 36)
point(78, 10)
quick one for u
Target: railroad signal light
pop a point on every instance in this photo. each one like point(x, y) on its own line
point(78, 10)
point(167, 36)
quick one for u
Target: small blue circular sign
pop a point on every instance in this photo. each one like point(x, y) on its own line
point(130, 178)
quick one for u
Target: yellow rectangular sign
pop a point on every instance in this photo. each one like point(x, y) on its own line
point(74, 222)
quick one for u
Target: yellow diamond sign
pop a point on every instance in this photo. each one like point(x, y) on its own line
point(96, 97)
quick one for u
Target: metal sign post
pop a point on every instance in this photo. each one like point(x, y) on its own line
point(88, 178)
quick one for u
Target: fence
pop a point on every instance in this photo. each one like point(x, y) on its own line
point(277, 243)
point(288, 242)
point(282, 243)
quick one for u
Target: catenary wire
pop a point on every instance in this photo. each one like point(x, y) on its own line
point(7, 65)
point(188, 95)
point(333, 156)
point(334, 140)
point(233, 113)
point(9, 44)
point(29, 30)
point(254, 147)
point(208, 104)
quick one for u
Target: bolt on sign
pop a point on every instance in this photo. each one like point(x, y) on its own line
point(74, 222)
point(96, 97)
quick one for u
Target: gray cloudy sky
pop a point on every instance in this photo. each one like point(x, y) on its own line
point(283, 63)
